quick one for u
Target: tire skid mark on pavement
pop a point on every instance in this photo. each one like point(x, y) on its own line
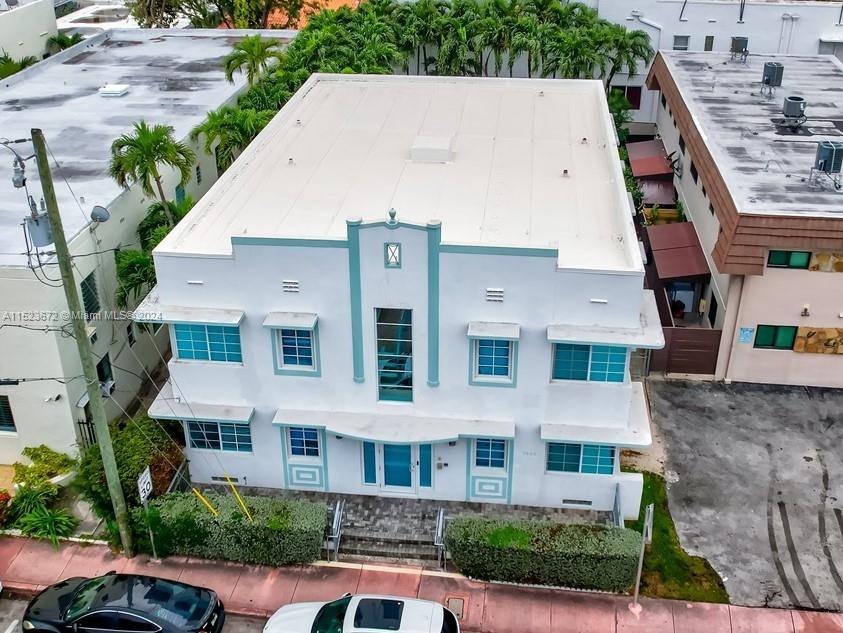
point(838, 514)
point(821, 526)
point(771, 533)
point(794, 558)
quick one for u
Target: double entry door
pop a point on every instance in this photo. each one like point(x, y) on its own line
point(403, 468)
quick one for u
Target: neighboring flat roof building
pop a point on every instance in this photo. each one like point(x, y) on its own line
point(422, 286)
point(169, 77)
point(768, 216)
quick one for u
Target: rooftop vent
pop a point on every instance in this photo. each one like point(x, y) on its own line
point(114, 90)
point(290, 285)
point(739, 45)
point(793, 106)
point(773, 72)
point(494, 294)
point(432, 149)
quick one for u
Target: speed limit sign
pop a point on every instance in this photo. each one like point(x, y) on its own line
point(145, 485)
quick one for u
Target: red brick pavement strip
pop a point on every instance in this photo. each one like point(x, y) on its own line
point(27, 566)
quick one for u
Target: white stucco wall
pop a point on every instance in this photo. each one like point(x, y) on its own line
point(39, 416)
point(24, 31)
point(536, 295)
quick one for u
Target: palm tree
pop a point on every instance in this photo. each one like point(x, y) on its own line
point(156, 218)
point(135, 158)
point(526, 39)
point(9, 66)
point(429, 13)
point(627, 49)
point(233, 129)
point(61, 41)
point(252, 56)
point(135, 272)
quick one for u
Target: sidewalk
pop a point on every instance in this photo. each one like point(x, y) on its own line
point(27, 566)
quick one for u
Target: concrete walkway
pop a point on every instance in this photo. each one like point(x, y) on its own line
point(26, 566)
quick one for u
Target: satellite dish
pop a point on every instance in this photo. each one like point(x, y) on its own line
point(100, 214)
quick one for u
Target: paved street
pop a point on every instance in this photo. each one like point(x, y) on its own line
point(758, 486)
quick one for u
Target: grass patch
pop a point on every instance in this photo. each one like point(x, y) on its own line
point(669, 571)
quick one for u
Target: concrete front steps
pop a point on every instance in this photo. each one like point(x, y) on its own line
point(365, 545)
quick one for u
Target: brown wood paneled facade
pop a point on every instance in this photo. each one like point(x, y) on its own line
point(744, 238)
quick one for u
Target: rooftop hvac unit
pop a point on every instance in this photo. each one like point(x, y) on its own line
point(773, 72)
point(793, 107)
point(739, 45)
point(829, 157)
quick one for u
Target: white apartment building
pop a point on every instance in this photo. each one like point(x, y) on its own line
point(25, 27)
point(768, 215)
point(170, 77)
point(804, 27)
point(415, 286)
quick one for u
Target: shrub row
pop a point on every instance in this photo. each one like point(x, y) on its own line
point(281, 532)
point(543, 552)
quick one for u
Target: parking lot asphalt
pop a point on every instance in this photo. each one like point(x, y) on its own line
point(755, 483)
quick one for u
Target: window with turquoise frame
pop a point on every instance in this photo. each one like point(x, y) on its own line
point(789, 259)
point(296, 351)
point(216, 436)
point(597, 363)
point(489, 453)
point(208, 342)
point(394, 329)
point(392, 255)
point(592, 459)
point(493, 360)
point(304, 442)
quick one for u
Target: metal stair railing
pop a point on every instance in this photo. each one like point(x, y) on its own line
point(439, 539)
point(332, 543)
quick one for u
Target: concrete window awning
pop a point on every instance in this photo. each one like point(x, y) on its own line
point(649, 159)
point(294, 320)
point(488, 329)
point(391, 428)
point(168, 406)
point(677, 253)
point(647, 335)
point(151, 310)
point(634, 434)
point(834, 36)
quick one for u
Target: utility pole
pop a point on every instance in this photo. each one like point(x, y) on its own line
point(82, 343)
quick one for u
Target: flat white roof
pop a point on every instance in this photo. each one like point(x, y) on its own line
point(342, 148)
point(174, 77)
point(765, 166)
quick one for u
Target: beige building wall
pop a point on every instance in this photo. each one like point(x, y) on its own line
point(45, 411)
point(24, 31)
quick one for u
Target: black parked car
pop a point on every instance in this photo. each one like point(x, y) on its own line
point(121, 603)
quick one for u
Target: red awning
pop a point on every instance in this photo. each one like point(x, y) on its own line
point(648, 158)
point(676, 250)
point(657, 192)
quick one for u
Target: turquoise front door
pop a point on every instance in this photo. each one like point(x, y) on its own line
point(397, 465)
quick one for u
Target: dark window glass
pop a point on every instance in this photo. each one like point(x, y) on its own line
point(633, 95)
point(90, 299)
point(102, 621)
point(129, 622)
point(712, 310)
point(7, 420)
point(331, 616)
point(664, 102)
point(681, 143)
point(789, 259)
point(378, 613)
point(709, 43)
point(694, 173)
point(104, 372)
point(395, 354)
point(775, 337)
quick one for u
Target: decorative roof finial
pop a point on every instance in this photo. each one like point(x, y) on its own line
point(392, 214)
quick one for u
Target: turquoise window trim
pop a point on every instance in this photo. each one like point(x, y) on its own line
point(302, 438)
point(208, 343)
point(490, 451)
point(581, 458)
point(589, 363)
point(387, 246)
point(510, 467)
point(425, 465)
point(353, 230)
point(490, 381)
point(180, 194)
point(394, 363)
point(370, 463)
point(464, 249)
point(208, 435)
point(287, 462)
point(434, 240)
point(248, 240)
point(295, 370)
point(469, 449)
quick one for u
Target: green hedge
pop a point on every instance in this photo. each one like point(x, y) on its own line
point(281, 533)
point(543, 552)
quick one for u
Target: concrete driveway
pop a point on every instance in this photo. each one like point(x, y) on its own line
point(756, 486)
